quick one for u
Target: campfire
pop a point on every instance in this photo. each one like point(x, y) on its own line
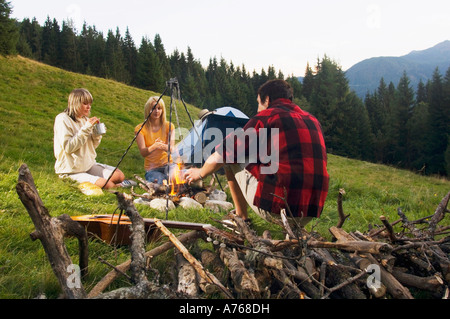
point(176, 180)
point(176, 189)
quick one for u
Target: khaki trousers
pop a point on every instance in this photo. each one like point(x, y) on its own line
point(248, 185)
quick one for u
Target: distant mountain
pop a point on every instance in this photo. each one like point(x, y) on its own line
point(365, 76)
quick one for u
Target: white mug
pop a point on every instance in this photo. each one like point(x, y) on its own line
point(100, 128)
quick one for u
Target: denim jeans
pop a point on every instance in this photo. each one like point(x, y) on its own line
point(157, 175)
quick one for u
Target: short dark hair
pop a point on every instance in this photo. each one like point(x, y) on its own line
point(276, 89)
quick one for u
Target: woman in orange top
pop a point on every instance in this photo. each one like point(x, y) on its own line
point(153, 141)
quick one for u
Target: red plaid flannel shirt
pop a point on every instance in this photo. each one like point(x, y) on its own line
point(302, 166)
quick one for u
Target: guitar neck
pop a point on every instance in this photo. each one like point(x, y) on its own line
point(178, 224)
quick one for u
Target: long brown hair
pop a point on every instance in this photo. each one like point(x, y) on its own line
point(149, 107)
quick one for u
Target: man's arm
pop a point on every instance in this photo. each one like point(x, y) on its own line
point(212, 164)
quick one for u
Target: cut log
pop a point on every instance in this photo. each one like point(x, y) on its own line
point(244, 280)
point(430, 283)
point(187, 282)
point(138, 237)
point(212, 261)
point(351, 246)
point(51, 231)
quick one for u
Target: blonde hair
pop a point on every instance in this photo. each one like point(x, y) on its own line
point(77, 98)
point(149, 107)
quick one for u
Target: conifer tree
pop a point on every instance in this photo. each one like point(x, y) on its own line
point(308, 83)
point(422, 92)
point(29, 42)
point(148, 74)
point(439, 125)
point(8, 31)
point(114, 57)
point(162, 57)
point(50, 42)
point(325, 101)
point(418, 127)
point(69, 56)
point(439, 130)
point(130, 53)
point(404, 104)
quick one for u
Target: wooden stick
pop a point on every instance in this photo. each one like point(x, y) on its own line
point(342, 216)
point(194, 262)
point(439, 214)
point(115, 268)
point(343, 284)
point(351, 246)
point(389, 229)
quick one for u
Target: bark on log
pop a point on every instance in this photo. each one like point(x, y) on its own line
point(363, 264)
point(187, 281)
point(389, 229)
point(50, 231)
point(336, 275)
point(244, 281)
point(439, 214)
point(430, 283)
point(138, 237)
point(212, 261)
point(351, 246)
point(288, 289)
point(342, 216)
point(125, 266)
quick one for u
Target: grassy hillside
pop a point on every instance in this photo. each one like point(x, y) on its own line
point(32, 94)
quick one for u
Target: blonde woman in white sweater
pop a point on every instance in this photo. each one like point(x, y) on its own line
point(75, 141)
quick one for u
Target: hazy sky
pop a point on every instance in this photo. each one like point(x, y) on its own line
point(285, 34)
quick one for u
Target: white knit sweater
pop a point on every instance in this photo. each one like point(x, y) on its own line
point(74, 145)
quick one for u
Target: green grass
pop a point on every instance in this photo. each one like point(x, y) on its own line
point(32, 94)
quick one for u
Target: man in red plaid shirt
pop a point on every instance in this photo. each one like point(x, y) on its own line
point(293, 177)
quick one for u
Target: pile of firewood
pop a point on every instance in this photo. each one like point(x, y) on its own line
point(379, 263)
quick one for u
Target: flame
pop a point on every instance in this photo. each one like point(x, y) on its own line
point(176, 178)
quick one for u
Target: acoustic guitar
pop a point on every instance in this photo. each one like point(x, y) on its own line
point(115, 231)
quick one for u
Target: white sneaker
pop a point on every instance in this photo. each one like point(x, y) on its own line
point(128, 183)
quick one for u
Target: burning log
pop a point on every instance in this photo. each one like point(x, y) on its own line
point(153, 189)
